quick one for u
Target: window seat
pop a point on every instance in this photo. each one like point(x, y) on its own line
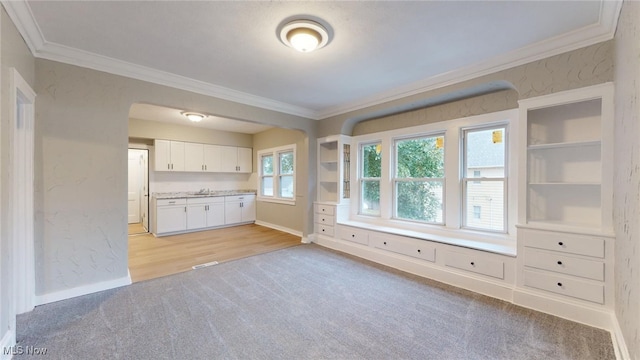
point(502, 247)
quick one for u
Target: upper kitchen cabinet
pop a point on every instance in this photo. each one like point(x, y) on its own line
point(236, 159)
point(202, 157)
point(169, 155)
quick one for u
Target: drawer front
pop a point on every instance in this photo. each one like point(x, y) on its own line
point(171, 202)
point(567, 243)
point(353, 234)
point(236, 198)
point(556, 262)
point(324, 230)
point(475, 263)
point(325, 209)
point(415, 248)
point(325, 219)
point(565, 286)
point(206, 200)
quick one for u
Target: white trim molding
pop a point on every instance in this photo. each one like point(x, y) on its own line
point(83, 290)
point(280, 228)
point(20, 13)
point(7, 344)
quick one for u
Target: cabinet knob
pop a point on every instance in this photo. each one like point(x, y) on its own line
point(419, 251)
point(559, 262)
point(353, 235)
point(322, 230)
point(560, 243)
point(473, 263)
point(560, 284)
point(385, 243)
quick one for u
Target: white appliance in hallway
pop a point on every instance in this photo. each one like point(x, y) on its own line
point(138, 188)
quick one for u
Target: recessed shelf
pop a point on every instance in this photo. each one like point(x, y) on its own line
point(564, 145)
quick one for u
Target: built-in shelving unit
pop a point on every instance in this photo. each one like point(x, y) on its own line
point(333, 181)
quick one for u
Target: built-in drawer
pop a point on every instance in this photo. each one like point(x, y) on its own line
point(359, 236)
point(238, 198)
point(206, 200)
point(411, 247)
point(168, 202)
point(564, 264)
point(563, 242)
point(324, 230)
point(325, 219)
point(480, 264)
point(563, 285)
point(325, 209)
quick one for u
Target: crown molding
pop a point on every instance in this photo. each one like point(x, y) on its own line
point(589, 35)
point(20, 13)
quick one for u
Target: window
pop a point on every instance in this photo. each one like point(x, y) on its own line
point(277, 178)
point(371, 155)
point(419, 179)
point(477, 174)
point(484, 151)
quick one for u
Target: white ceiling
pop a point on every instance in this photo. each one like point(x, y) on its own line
point(379, 51)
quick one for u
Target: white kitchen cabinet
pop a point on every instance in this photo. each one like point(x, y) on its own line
point(205, 212)
point(212, 158)
point(240, 209)
point(171, 216)
point(193, 157)
point(236, 159)
point(169, 155)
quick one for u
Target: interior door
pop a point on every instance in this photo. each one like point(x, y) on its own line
point(134, 189)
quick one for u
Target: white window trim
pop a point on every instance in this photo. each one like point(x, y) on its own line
point(453, 175)
point(275, 152)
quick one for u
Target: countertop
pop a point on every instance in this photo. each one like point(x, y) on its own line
point(196, 194)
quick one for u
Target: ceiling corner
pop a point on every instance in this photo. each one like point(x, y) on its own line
point(21, 15)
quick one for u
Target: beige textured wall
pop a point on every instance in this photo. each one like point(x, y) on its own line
point(146, 129)
point(287, 216)
point(626, 205)
point(81, 140)
point(582, 67)
point(13, 53)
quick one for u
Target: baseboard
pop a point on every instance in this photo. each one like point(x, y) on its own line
point(83, 290)
point(495, 289)
point(619, 344)
point(279, 228)
point(7, 345)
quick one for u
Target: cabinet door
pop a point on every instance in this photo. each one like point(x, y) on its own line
point(212, 158)
point(196, 216)
point(177, 156)
point(162, 151)
point(171, 218)
point(193, 157)
point(229, 159)
point(249, 209)
point(232, 212)
point(215, 214)
point(245, 160)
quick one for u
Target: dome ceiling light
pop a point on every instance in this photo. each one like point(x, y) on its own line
point(195, 117)
point(304, 35)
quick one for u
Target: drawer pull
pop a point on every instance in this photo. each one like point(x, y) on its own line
point(172, 202)
point(560, 243)
point(322, 230)
point(353, 235)
point(323, 220)
point(385, 243)
point(560, 284)
point(419, 251)
point(559, 262)
point(473, 263)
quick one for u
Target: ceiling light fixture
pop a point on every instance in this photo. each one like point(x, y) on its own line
point(304, 35)
point(195, 117)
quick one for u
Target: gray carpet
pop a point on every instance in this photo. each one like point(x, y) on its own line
point(304, 302)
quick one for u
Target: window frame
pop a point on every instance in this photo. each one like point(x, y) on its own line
point(362, 179)
point(465, 179)
point(262, 176)
point(395, 179)
point(277, 175)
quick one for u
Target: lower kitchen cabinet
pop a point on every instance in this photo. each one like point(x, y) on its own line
point(240, 209)
point(205, 212)
point(171, 215)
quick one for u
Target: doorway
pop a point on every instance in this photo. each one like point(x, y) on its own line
point(138, 191)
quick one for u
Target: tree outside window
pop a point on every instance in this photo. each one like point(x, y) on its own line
point(370, 179)
point(266, 182)
point(277, 176)
point(419, 179)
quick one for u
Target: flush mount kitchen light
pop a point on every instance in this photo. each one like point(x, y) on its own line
point(195, 117)
point(304, 35)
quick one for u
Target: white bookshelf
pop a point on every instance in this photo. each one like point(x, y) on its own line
point(567, 162)
point(333, 179)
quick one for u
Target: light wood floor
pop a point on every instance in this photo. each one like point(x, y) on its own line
point(136, 228)
point(151, 257)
